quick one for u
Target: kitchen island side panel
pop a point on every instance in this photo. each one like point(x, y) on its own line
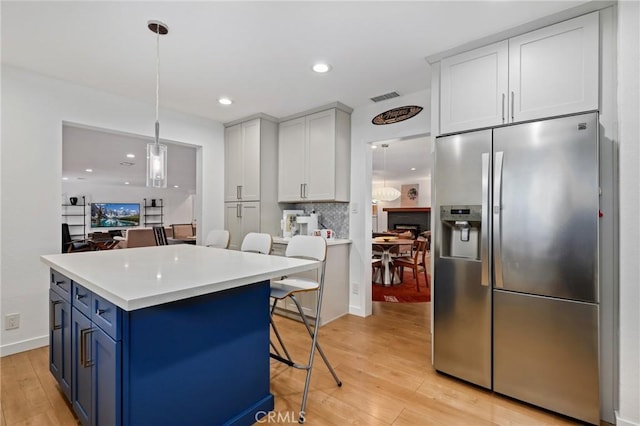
point(203, 360)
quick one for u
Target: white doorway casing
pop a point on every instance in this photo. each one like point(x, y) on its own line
point(363, 133)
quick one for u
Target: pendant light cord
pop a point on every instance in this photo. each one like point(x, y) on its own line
point(157, 83)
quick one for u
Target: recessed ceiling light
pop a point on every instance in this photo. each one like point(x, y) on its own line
point(127, 163)
point(321, 68)
point(126, 183)
point(374, 146)
point(88, 170)
point(65, 178)
point(225, 101)
point(131, 156)
point(176, 186)
point(413, 168)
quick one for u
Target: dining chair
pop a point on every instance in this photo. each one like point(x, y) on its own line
point(70, 246)
point(218, 238)
point(182, 231)
point(255, 242)
point(160, 236)
point(416, 262)
point(305, 247)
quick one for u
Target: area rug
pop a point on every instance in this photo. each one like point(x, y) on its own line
point(402, 293)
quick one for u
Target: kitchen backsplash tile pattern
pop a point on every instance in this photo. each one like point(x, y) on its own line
point(334, 216)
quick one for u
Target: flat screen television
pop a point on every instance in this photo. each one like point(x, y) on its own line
point(110, 215)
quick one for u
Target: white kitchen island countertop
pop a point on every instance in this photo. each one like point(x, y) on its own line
point(330, 241)
point(136, 278)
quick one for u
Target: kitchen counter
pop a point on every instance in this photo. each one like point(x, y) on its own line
point(138, 336)
point(147, 276)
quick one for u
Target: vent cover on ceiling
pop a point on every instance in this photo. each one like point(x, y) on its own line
point(385, 96)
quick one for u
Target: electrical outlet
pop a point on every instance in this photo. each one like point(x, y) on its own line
point(355, 288)
point(12, 321)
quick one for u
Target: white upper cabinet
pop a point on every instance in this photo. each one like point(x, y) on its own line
point(554, 70)
point(242, 161)
point(543, 73)
point(291, 159)
point(474, 87)
point(313, 157)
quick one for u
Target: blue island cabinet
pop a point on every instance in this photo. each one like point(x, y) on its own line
point(197, 361)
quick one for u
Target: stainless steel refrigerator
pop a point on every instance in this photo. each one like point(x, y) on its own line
point(515, 304)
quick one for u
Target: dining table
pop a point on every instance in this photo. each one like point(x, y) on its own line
point(385, 275)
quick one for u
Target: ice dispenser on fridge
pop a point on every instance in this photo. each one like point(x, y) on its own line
point(461, 230)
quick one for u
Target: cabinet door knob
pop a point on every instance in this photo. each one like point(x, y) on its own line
point(503, 108)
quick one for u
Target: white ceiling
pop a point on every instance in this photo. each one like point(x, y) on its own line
point(257, 53)
point(102, 152)
point(400, 157)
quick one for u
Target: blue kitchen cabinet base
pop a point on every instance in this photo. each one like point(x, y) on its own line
point(203, 360)
point(60, 341)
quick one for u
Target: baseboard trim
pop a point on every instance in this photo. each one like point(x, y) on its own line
point(624, 422)
point(24, 345)
point(356, 310)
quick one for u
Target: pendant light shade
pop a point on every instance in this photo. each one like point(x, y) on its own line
point(157, 152)
point(386, 193)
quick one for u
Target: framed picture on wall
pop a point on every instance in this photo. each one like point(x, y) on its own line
point(409, 195)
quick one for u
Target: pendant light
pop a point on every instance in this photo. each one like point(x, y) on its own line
point(386, 193)
point(157, 152)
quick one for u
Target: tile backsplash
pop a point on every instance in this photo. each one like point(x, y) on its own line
point(334, 216)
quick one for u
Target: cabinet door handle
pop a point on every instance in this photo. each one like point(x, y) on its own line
point(59, 283)
point(503, 108)
point(240, 191)
point(80, 296)
point(86, 363)
point(52, 316)
point(99, 312)
point(237, 192)
point(305, 190)
point(512, 106)
point(301, 191)
point(238, 210)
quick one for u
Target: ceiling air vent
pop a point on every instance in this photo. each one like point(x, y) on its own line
point(384, 97)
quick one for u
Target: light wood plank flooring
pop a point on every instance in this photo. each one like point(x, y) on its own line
point(383, 361)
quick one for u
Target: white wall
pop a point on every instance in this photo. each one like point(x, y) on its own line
point(363, 132)
point(177, 204)
point(628, 412)
point(33, 111)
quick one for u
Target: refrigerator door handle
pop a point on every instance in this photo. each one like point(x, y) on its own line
point(497, 214)
point(484, 231)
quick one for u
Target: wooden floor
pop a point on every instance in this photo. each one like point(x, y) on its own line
point(383, 361)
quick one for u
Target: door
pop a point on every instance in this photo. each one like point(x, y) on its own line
point(291, 159)
point(82, 373)
point(240, 219)
point(60, 341)
point(546, 353)
point(250, 190)
point(474, 86)
point(462, 294)
point(107, 383)
point(233, 161)
point(554, 70)
point(321, 156)
point(546, 197)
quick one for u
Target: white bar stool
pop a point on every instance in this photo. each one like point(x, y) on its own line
point(306, 247)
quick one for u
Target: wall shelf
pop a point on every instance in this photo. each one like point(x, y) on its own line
point(77, 229)
point(153, 212)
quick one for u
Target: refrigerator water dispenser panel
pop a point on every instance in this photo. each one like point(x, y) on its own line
point(461, 231)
